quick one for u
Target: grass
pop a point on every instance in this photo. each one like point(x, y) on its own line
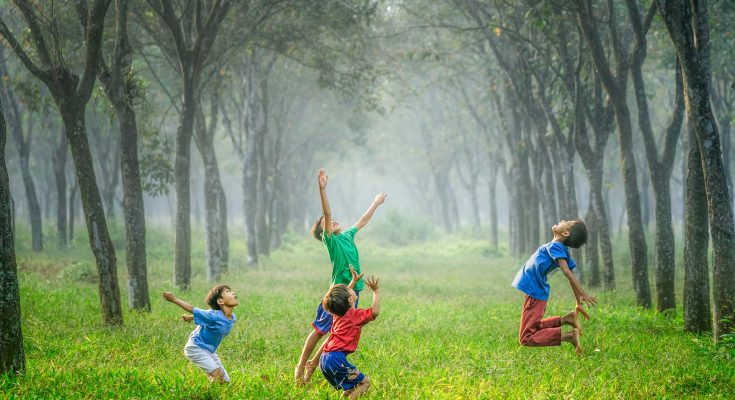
point(447, 330)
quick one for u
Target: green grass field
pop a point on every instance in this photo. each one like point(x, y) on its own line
point(447, 330)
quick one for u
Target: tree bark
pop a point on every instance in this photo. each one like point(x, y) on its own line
point(697, 313)
point(12, 356)
point(60, 156)
point(688, 28)
point(250, 164)
point(23, 145)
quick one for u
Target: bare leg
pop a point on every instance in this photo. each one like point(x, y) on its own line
point(311, 341)
point(573, 338)
point(312, 364)
point(572, 319)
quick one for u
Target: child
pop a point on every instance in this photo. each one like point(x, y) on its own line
point(342, 253)
point(531, 279)
point(341, 301)
point(212, 326)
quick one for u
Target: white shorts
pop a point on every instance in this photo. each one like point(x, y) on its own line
point(204, 359)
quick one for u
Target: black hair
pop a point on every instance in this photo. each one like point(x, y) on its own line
point(214, 295)
point(317, 229)
point(577, 234)
point(337, 300)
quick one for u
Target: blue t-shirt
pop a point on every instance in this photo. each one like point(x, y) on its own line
point(212, 326)
point(531, 279)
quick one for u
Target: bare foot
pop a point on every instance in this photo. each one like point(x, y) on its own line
point(575, 340)
point(358, 390)
point(309, 370)
point(572, 319)
point(298, 375)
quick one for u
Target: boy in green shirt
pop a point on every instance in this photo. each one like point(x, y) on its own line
point(343, 254)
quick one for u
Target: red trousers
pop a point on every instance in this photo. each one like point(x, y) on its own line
point(535, 329)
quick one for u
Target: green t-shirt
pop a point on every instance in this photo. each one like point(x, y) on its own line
point(342, 253)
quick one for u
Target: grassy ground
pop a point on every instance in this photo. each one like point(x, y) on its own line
point(447, 330)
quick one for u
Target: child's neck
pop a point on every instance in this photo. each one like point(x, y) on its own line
point(558, 238)
point(227, 311)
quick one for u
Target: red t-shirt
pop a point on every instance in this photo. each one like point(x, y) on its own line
point(345, 332)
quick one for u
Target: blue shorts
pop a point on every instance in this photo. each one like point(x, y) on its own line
point(323, 319)
point(338, 371)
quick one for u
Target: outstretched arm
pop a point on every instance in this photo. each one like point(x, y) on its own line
point(326, 211)
point(579, 293)
point(181, 303)
point(372, 283)
point(379, 199)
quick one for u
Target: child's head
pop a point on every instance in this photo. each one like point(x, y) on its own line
point(318, 228)
point(573, 233)
point(339, 299)
point(221, 296)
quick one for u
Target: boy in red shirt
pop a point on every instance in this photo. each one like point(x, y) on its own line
point(344, 336)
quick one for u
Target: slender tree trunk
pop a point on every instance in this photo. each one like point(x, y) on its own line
point(23, 145)
point(493, 208)
point(182, 166)
point(697, 313)
point(60, 156)
point(133, 211)
point(250, 164)
point(72, 209)
point(592, 251)
point(12, 357)
point(99, 237)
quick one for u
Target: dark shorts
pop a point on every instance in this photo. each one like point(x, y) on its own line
point(323, 319)
point(338, 371)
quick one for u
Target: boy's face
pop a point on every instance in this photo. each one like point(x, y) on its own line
point(229, 299)
point(336, 229)
point(563, 228)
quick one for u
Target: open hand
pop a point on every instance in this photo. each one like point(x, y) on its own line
point(355, 277)
point(372, 282)
point(380, 198)
point(169, 296)
point(187, 318)
point(322, 178)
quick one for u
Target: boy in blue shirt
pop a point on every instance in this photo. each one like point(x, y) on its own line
point(531, 280)
point(211, 327)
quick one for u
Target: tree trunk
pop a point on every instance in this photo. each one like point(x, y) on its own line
point(72, 209)
point(592, 264)
point(23, 145)
point(493, 208)
point(689, 31)
point(182, 166)
point(94, 215)
point(60, 156)
point(697, 313)
point(250, 164)
point(12, 357)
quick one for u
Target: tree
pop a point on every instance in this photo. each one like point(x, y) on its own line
point(193, 29)
point(687, 24)
point(12, 357)
point(122, 90)
point(23, 145)
point(71, 93)
point(615, 85)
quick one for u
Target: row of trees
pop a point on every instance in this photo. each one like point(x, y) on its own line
point(534, 84)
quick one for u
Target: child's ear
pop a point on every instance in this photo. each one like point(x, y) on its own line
point(220, 301)
point(566, 233)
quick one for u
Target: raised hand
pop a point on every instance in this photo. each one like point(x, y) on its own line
point(187, 318)
point(355, 277)
point(169, 296)
point(372, 282)
point(380, 198)
point(322, 178)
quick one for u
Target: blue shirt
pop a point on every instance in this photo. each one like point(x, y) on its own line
point(212, 326)
point(531, 279)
